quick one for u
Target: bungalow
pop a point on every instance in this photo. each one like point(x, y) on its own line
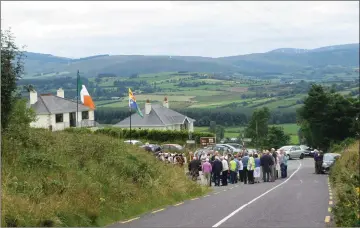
point(57, 113)
point(159, 117)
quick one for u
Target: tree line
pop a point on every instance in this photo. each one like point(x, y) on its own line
point(203, 117)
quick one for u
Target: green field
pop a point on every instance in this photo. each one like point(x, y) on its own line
point(234, 132)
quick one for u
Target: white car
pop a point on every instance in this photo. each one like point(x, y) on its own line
point(232, 148)
point(293, 152)
point(134, 142)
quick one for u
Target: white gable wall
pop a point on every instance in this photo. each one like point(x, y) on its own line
point(45, 120)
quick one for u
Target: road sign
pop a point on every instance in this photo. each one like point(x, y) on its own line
point(190, 141)
point(205, 141)
point(247, 140)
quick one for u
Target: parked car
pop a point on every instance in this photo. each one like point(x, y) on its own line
point(134, 142)
point(231, 148)
point(151, 147)
point(306, 150)
point(293, 152)
point(328, 161)
point(221, 149)
point(236, 145)
point(250, 151)
point(172, 148)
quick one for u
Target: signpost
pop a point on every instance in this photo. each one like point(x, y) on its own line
point(247, 139)
point(206, 141)
point(190, 141)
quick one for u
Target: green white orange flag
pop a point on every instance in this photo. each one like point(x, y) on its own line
point(84, 95)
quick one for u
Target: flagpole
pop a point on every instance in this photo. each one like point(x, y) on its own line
point(77, 97)
point(130, 122)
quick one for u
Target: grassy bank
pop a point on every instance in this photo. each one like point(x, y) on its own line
point(81, 179)
point(345, 182)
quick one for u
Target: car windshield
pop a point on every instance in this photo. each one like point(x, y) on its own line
point(304, 147)
point(285, 148)
point(329, 157)
point(178, 147)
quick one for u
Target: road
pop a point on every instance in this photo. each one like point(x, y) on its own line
point(301, 200)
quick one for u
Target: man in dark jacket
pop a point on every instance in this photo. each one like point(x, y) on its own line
point(216, 170)
point(194, 167)
point(266, 162)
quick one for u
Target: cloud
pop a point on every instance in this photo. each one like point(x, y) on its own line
point(77, 29)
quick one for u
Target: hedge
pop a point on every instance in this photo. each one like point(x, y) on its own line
point(152, 135)
point(345, 179)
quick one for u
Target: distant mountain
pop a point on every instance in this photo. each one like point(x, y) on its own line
point(283, 60)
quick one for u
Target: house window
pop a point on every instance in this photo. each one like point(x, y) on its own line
point(85, 115)
point(59, 118)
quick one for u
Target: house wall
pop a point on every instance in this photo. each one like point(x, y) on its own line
point(44, 121)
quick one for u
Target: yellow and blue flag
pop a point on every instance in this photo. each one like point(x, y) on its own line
point(133, 104)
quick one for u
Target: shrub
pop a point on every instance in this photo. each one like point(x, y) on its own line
point(152, 135)
point(345, 179)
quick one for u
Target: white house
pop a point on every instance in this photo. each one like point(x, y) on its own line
point(57, 113)
point(159, 117)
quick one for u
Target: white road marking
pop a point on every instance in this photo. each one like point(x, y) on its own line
point(158, 210)
point(250, 202)
point(130, 220)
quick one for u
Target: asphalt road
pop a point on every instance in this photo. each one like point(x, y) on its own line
point(301, 200)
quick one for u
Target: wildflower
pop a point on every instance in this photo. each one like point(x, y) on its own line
point(102, 199)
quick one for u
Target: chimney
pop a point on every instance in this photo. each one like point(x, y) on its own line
point(166, 103)
point(60, 93)
point(147, 107)
point(33, 97)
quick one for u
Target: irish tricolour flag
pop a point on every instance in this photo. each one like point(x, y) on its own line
point(84, 94)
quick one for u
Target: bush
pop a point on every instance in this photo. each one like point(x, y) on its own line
point(70, 179)
point(152, 135)
point(345, 180)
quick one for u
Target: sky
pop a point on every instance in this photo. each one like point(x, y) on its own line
point(78, 29)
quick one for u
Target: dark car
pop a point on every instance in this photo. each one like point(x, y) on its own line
point(151, 147)
point(328, 161)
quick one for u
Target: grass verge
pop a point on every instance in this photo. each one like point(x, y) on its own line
point(80, 179)
point(345, 179)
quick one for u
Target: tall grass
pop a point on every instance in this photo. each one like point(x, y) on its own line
point(345, 179)
point(82, 179)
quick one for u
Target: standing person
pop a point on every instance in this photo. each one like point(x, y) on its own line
point(251, 168)
point(225, 171)
point(272, 166)
point(217, 169)
point(285, 159)
point(194, 167)
point(257, 169)
point(245, 160)
point(274, 154)
point(237, 168)
point(232, 170)
point(266, 162)
point(206, 169)
point(317, 159)
point(241, 170)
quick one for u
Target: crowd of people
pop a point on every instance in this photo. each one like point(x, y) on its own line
point(266, 166)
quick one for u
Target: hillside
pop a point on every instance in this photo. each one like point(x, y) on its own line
point(81, 179)
point(283, 60)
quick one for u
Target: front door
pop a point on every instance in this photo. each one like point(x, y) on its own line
point(72, 119)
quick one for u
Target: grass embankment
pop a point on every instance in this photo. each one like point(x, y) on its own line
point(81, 179)
point(345, 180)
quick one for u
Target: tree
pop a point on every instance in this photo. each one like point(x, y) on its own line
point(220, 132)
point(276, 137)
point(12, 67)
point(327, 117)
point(212, 127)
point(257, 128)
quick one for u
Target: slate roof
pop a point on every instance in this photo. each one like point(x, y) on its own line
point(51, 104)
point(159, 116)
